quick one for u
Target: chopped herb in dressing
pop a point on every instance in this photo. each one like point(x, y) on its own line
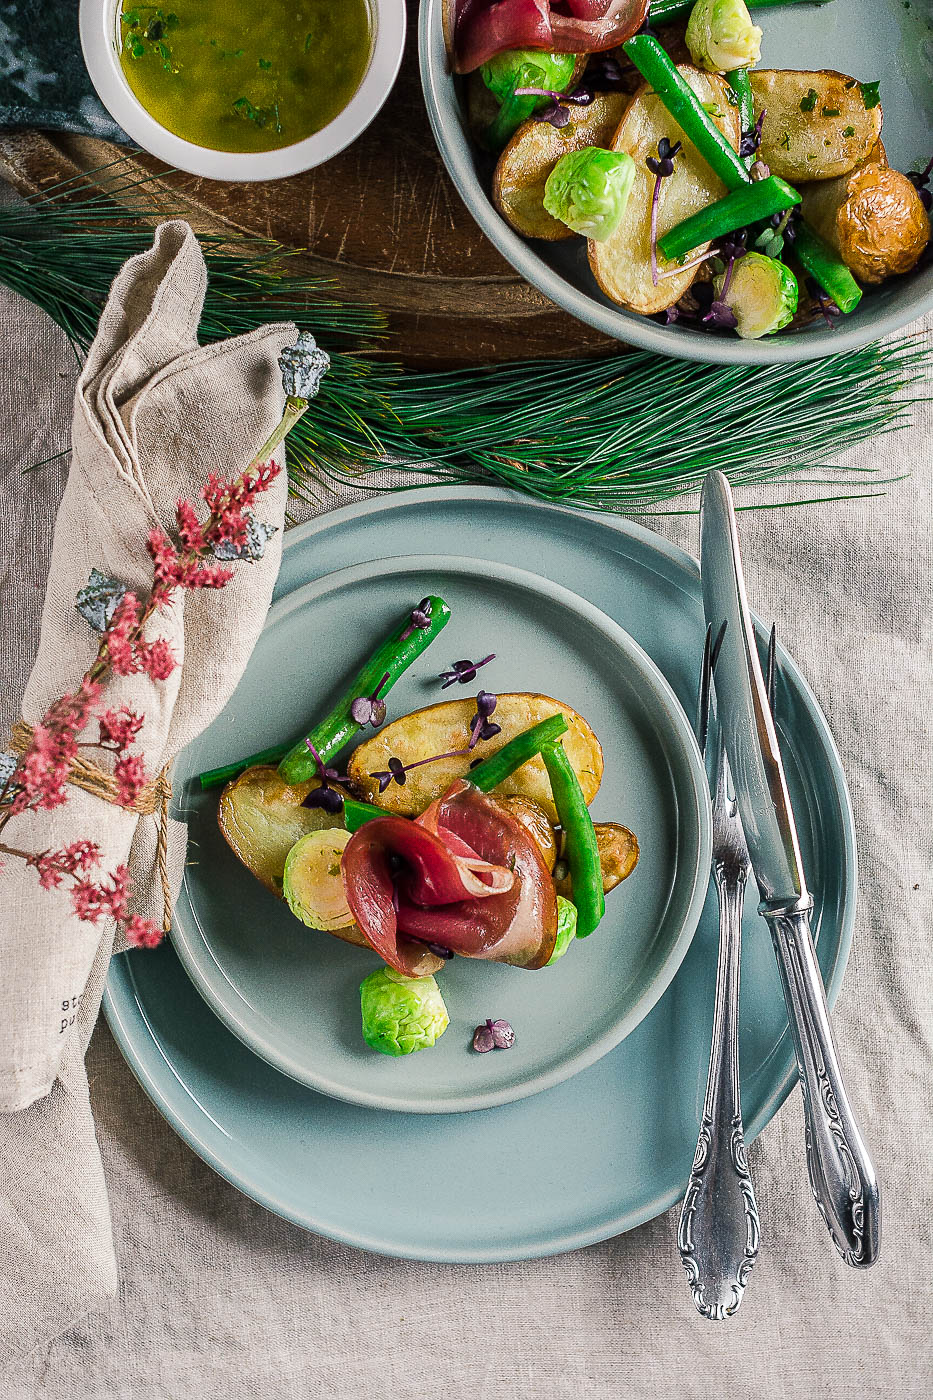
point(245, 77)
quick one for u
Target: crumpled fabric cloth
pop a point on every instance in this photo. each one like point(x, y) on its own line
point(217, 1294)
point(153, 413)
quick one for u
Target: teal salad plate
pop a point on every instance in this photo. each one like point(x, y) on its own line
point(606, 1149)
point(888, 41)
point(292, 993)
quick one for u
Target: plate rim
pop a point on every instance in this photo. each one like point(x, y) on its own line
point(120, 986)
point(615, 322)
point(664, 706)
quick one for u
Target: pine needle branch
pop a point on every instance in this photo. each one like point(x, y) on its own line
point(634, 432)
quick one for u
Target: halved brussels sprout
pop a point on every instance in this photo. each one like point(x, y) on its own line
point(762, 295)
point(517, 69)
point(720, 36)
point(312, 883)
point(589, 189)
point(566, 928)
point(401, 1014)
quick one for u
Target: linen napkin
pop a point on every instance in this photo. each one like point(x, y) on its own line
point(154, 413)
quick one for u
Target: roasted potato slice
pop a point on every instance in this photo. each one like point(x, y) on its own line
point(261, 818)
point(445, 727)
point(622, 264)
point(618, 856)
point(532, 153)
point(536, 822)
point(874, 219)
point(816, 125)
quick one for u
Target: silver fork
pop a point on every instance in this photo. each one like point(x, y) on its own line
point(719, 1230)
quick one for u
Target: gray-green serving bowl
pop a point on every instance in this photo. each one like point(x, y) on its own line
point(885, 40)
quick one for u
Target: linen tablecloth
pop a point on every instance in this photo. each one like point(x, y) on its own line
point(219, 1297)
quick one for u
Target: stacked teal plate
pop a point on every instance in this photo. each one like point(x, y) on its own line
point(586, 1158)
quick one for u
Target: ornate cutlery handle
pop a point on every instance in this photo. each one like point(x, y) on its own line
point(841, 1172)
point(718, 1233)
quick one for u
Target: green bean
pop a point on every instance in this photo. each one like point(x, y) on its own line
point(357, 814)
point(581, 850)
point(687, 110)
point(745, 206)
point(499, 766)
point(664, 10)
point(391, 660)
point(826, 268)
point(739, 83)
point(218, 777)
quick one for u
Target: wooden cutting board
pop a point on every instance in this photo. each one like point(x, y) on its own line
point(383, 219)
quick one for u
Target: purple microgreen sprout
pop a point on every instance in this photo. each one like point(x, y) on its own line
point(482, 1040)
point(480, 725)
point(685, 267)
point(751, 140)
point(557, 113)
point(462, 672)
point(480, 728)
point(493, 1035)
point(324, 796)
point(760, 171)
point(420, 619)
point(660, 169)
point(605, 73)
point(369, 709)
point(720, 313)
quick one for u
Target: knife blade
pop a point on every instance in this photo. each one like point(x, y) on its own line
point(841, 1173)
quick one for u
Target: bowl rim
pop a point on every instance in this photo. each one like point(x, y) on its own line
point(456, 152)
point(97, 28)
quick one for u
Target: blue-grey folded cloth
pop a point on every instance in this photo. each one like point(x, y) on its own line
point(43, 80)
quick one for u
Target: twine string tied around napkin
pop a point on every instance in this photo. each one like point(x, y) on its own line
point(153, 798)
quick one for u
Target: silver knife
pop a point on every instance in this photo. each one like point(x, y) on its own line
point(841, 1172)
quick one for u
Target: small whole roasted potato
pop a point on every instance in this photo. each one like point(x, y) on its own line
point(816, 125)
point(532, 153)
point(873, 218)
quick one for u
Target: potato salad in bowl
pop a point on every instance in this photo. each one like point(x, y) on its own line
point(735, 200)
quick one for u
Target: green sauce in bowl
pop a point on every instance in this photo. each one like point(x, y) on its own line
point(234, 75)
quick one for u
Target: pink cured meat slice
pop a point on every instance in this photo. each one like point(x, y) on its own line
point(483, 28)
point(465, 838)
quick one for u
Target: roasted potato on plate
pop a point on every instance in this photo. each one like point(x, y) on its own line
point(445, 727)
point(622, 263)
point(532, 153)
point(618, 856)
point(816, 124)
point(873, 218)
point(261, 818)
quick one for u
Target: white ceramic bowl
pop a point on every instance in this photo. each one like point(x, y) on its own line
point(98, 24)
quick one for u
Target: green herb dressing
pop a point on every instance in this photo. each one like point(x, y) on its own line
point(242, 76)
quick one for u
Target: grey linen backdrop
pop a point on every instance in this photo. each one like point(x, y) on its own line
point(218, 1296)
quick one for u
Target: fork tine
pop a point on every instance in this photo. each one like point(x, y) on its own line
point(772, 669)
point(704, 691)
point(717, 645)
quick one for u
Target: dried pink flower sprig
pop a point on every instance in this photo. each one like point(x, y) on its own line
point(38, 779)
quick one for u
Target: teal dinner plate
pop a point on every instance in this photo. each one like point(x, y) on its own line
point(292, 994)
point(610, 1147)
point(888, 41)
